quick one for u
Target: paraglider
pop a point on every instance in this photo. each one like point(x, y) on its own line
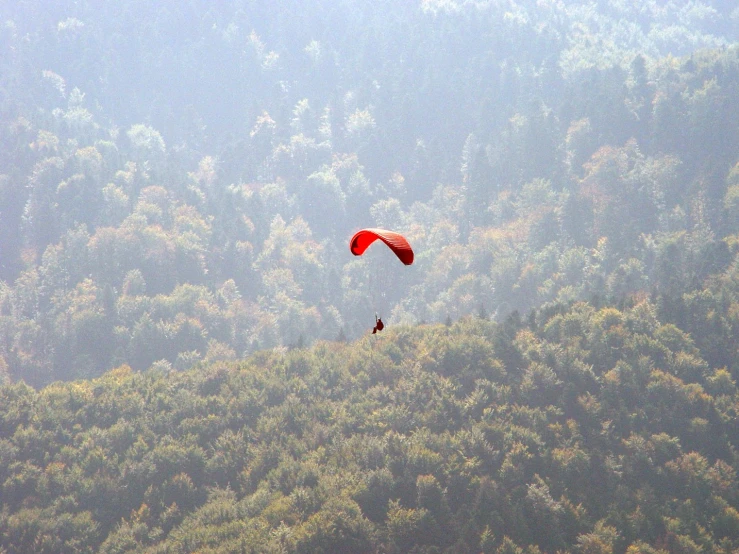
point(395, 241)
point(379, 325)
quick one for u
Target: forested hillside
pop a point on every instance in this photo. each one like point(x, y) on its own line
point(185, 357)
point(179, 180)
point(583, 429)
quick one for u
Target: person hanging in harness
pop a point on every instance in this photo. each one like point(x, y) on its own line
point(379, 325)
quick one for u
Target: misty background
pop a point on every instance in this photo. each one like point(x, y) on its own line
point(179, 180)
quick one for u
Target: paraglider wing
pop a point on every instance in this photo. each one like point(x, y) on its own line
point(395, 241)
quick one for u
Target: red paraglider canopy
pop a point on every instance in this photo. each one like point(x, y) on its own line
point(395, 241)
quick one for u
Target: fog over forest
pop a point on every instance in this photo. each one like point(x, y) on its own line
point(184, 328)
point(180, 180)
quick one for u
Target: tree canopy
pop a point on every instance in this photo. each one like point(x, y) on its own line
point(184, 330)
point(584, 428)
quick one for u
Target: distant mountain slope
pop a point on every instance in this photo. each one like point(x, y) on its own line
point(179, 181)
